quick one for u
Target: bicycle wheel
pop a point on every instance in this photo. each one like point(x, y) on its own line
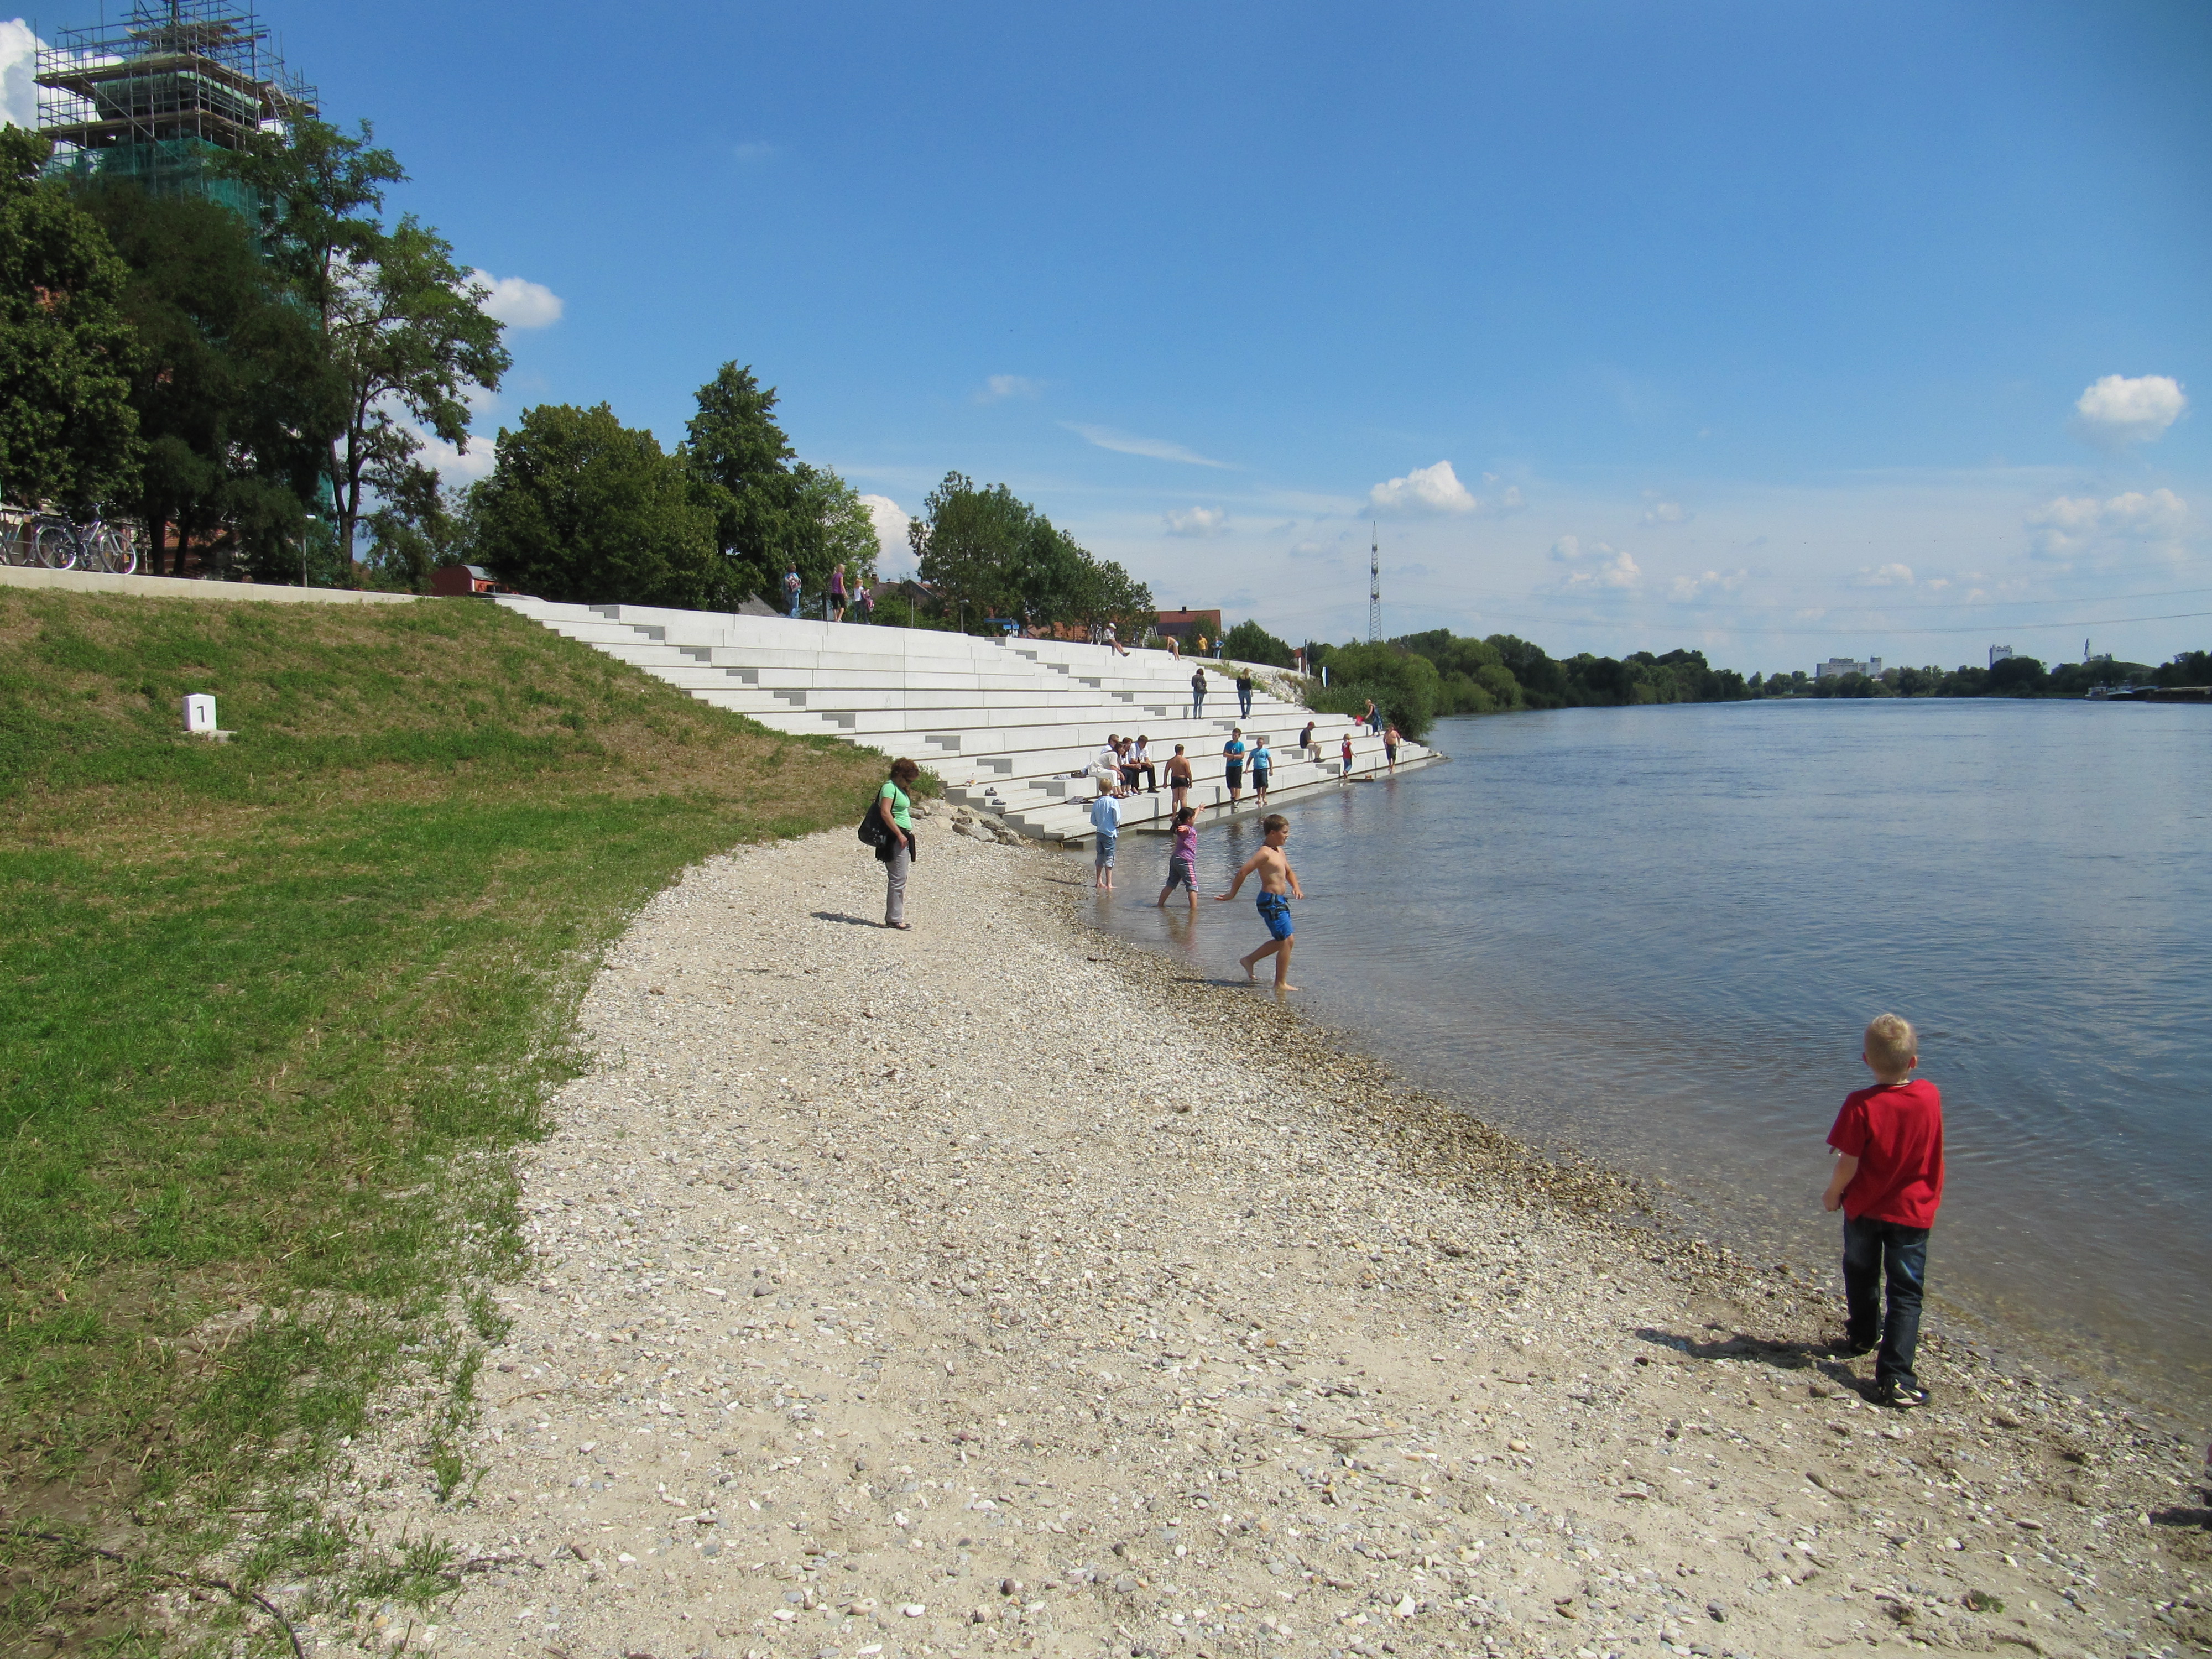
point(116, 550)
point(55, 545)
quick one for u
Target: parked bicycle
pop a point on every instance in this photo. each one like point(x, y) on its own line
point(63, 544)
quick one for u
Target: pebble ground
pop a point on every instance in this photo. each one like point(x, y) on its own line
point(994, 1287)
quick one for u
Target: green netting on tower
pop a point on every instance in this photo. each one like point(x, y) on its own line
point(163, 167)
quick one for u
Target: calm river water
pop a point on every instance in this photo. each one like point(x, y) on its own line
point(1656, 934)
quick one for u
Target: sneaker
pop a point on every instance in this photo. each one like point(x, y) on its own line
point(1845, 1348)
point(1897, 1397)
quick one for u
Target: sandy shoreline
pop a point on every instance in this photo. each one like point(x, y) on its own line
point(999, 1287)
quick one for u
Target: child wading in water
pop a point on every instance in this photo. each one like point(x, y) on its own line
point(1182, 859)
point(1888, 1183)
point(1279, 883)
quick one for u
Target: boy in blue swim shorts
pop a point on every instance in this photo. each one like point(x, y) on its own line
point(1279, 884)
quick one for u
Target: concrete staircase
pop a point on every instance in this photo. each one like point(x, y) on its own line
point(1008, 724)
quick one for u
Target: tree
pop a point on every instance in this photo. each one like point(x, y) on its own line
point(403, 325)
point(1404, 685)
point(68, 433)
point(2187, 668)
point(2016, 677)
point(1249, 643)
point(582, 510)
point(773, 513)
point(417, 527)
point(992, 553)
point(231, 386)
point(974, 545)
point(409, 339)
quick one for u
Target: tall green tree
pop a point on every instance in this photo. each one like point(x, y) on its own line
point(1249, 643)
point(407, 336)
point(68, 432)
point(582, 510)
point(773, 512)
point(232, 387)
point(993, 553)
point(972, 544)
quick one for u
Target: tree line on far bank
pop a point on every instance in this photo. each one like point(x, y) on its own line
point(1417, 677)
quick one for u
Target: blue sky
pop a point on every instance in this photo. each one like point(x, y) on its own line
point(1786, 330)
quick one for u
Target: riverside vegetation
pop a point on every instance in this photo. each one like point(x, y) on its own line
point(1417, 677)
point(275, 1010)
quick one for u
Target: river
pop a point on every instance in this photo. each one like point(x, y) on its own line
point(1656, 934)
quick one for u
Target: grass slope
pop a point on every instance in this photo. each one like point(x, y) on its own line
point(272, 1008)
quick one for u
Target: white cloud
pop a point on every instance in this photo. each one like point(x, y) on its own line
point(19, 93)
point(458, 467)
point(1008, 385)
point(1123, 443)
point(1596, 565)
point(1424, 490)
point(891, 521)
point(1198, 521)
point(1712, 582)
point(1884, 575)
point(2070, 526)
point(1512, 500)
point(517, 301)
point(1663, 511)
point(2121, 411)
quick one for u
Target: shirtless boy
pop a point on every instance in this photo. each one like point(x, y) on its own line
point(1279, 884)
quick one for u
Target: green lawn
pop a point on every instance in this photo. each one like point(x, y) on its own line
point(271, 1011)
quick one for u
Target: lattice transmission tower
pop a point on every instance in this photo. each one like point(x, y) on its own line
point(1373, 587)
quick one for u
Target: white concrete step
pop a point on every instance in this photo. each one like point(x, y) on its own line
point(1005, 723)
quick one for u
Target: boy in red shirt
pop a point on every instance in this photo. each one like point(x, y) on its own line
point(1888, 1181)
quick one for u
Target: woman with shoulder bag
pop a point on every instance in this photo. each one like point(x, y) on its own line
point(895, 807)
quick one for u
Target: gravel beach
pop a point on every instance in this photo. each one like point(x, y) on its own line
point(995, 1287)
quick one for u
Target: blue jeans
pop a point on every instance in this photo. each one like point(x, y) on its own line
point(1244, 702)
point(1875, 1251)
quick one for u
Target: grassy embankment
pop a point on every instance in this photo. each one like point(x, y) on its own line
point(272, 1008)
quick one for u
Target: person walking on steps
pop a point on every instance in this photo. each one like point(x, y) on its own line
point(1244, 694)
point(864, 601)
point(896, 807)
point(791, 588)
point(837, 593)
point(1198, 694)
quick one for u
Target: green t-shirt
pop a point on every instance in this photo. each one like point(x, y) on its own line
point(901, 808)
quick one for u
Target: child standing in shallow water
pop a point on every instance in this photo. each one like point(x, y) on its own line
point(1182, 859)
point(1888, 1183)
point(1279, 883)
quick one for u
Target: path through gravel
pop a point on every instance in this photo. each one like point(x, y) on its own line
point(994, 1287)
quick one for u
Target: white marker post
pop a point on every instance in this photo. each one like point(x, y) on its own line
point(199, 717)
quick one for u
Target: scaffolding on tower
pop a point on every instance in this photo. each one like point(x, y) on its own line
point(1374, 585)
point(155, 98)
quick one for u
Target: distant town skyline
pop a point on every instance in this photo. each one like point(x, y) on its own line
point(1779, 333)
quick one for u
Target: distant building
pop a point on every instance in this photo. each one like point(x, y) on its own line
point(2093, 658)
point(454, 582)
point(1999, 653)
point(1836, 667)
point(1187, 625)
